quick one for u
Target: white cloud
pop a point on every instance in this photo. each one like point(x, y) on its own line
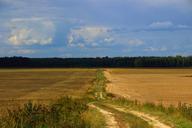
point(25, 51)
point(89, 35)
point(27, 19)
point(21, 51)
point(31, 31)
point(182, 26)
point(154, 49)
point(167, 25)
point(166, 2)
point(135, 42)
point(109, 39)
point(161, 24)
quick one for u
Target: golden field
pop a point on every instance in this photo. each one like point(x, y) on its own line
point(167, 86)
point(41, 85)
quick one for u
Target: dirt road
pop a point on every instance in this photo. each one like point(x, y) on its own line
point(153, 121)
point(109, 117)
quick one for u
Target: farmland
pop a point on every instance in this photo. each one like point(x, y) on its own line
point(167, 86)
point(20, 85)
point(109, 98)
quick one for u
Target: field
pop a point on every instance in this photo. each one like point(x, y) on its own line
point(167, 86)
point(91, 105)
point(41, 85)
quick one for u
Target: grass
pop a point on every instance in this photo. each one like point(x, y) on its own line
point(98, 89)
point(94, 118)
point(65, 112)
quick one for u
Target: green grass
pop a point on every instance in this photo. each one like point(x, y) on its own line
point(94, 118)
point(97, 90)
point(65, 112)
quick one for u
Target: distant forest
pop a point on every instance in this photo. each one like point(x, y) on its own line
point(124, 62)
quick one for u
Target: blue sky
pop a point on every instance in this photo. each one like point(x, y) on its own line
point(90, 28)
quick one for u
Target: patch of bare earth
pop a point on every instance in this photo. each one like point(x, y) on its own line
point(109, 117)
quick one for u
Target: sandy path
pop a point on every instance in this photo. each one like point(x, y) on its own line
point(150, 119)
point(109, 117)
point(153, 121)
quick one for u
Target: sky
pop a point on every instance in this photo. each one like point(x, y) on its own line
point(95, 28)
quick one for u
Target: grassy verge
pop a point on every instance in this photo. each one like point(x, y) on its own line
point(94, 118)
point(98, 89)
point(63, 113)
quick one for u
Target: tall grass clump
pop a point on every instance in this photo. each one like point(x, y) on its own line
point(98, 90)
point(64, 113)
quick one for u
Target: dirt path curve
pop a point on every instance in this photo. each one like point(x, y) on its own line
point(150, 119)
point(109, 117)
point(153, 121)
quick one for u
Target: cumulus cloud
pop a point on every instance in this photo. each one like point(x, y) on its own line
point(167, 25)
point(25, 51)
point(89, 36)
point(178, 3)
point(163, 24)
point(155, 49)
point(135, 42)
point(16, 51)
point(31, 31)
point(109, 39)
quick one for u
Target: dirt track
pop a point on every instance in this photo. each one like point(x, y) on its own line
point(109, 117)
point(150, 119)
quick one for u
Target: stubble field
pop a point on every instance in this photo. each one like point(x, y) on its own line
point(167, 86)
point(42, 85)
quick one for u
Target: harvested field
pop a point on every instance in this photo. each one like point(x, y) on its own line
point(41, 85)
point(167, 86)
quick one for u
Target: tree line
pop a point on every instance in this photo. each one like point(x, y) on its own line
point(124, 62)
